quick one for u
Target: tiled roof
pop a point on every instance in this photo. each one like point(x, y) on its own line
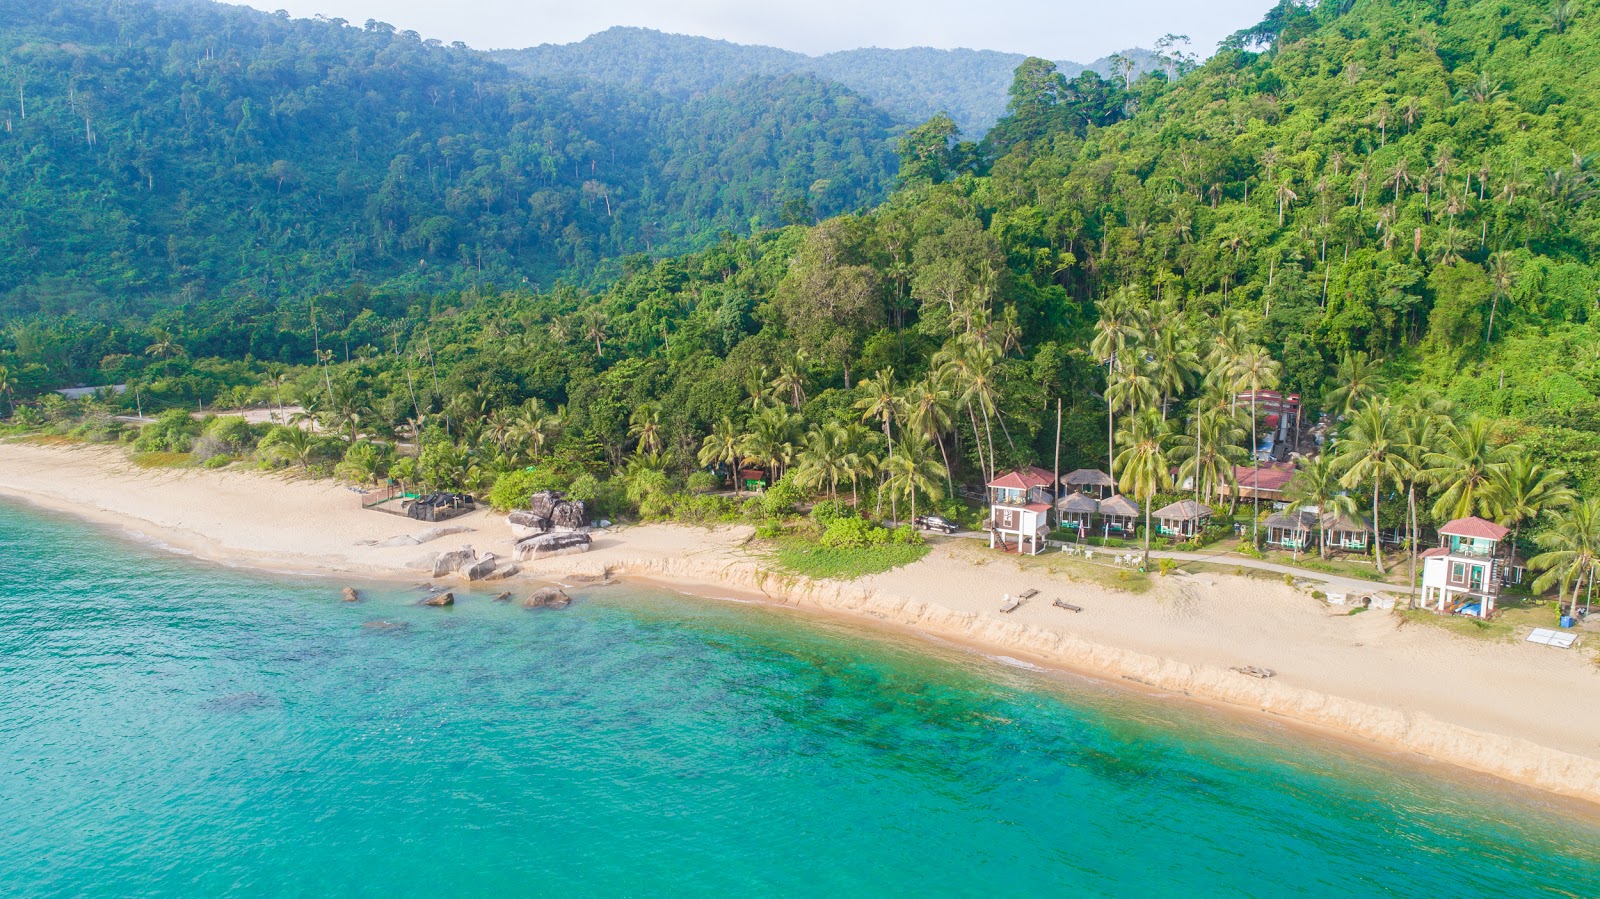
point(1023, 479)
point(1435, 552)
point(1037, 507)
point(1263, 477)
point(1475, 528)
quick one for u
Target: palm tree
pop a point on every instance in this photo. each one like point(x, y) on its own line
point(1358, 381)
point(881, 401)
point(1372, 451)
point(1129, 388)
point(1524, 490)
point(1119, 325)
point(162, 346)
point(791, 380)
point(7, 386)
point(1211, 447)
point(594, 324)
point(824, 458)
point(533, 427)
point(1144, 439)
point(721, 447)
point(300, 445)
point(1466, 469)
point(1503, 276)
point(770, 439)
point(1255, 371)
point(1421, 417)
point(861, 456)
point(912, 470)
point(1316, 486)
point(1571, 551)
point(1176, 360)
point(645, 426)
point(930, 409)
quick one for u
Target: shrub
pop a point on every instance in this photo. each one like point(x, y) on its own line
point(781, 498)
point(173, 432)
point(844, 533)
point(770, 529)
point(908, 535)
point(826, 513)
point(1165, 566)
point(232, 433)
point(221, 460)
point(512, 490)
point(365, 462)
point(702, 482)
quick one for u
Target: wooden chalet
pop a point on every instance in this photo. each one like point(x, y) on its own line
point(1091, 481)
point(1077, 511)
point(1184, 518)
point(1119, 517)
point(1295, 531)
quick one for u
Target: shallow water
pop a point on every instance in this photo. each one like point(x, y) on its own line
point(174, 728)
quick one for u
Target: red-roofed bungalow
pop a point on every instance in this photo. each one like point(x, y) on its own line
point(1465, 572)
point(1020, 503)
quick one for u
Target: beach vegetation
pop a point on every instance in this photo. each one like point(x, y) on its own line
point(809, 558)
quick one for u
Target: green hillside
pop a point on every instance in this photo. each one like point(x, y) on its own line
point(913, 84)
point(1389, 208)
point(163, 152)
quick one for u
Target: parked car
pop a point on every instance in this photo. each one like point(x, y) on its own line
point(937, 523)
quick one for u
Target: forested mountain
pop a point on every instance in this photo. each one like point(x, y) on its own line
point(154, 152)
point(913, 84)
point(1390, 208)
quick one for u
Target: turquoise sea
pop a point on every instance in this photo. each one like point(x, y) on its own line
point(173, 728)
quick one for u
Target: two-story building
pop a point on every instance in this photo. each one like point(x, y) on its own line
point(1019, 509)
point(1465, 572)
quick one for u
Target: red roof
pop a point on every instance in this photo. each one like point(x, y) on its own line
point(1037, 507)
point(1024, 479)
point(1475, 528)
point(1264, 477)
point(1435, 552)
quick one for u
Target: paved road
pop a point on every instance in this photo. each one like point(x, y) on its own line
point(1338, 582)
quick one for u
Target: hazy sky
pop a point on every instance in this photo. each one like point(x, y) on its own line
point(1079, 30)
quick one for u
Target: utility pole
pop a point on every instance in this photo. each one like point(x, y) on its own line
point(1055, 485)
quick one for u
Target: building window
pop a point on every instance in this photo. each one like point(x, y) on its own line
point(1458, 571)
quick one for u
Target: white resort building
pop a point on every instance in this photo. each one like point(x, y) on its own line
point(1465, 572)
point(1019, 509)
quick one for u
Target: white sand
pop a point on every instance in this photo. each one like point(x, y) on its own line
point(1524, 712)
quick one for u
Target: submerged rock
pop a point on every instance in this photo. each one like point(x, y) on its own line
point(547, 598)
point(351, 594)
point(442, 599)
point(504, 597)
point(381, 624)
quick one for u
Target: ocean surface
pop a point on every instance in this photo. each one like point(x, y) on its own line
point(173, 728)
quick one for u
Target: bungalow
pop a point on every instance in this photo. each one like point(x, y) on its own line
point(1092, 481)
point(1265, 481)
point(1020, 509)
point(1077, 511)
point(1344, 535)
point(1184, 518)
point(1292, 530)
point(1465, 572)
point(1118, 516)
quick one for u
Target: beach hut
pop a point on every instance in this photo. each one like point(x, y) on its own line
point(1346, 535)
point(1266, 482)
point(1184, 518)
point(1465, 572)
point(1091, 481)
point(1293, 531)
point(1077, 511)
point(1118, 516)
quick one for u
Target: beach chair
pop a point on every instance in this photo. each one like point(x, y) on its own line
point(1063, 604)
point(1009, 604)
point(1027, 594)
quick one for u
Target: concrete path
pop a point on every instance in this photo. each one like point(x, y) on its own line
point(1339, 583)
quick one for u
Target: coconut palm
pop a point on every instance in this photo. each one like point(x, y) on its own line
point(1255, 371)
point(1465, 469)
point(1146, 471)
point(645, 427)
point(824, 458)
point(1358, 381)
point(1120, 325)
point(1571, 551)
point(861, 456)
point(1372, 452)
point(300, 446)
point(1176, 361)
point(930, 409)
point(913, 470)
point(1316, 487)
point(770, 438)
point(1524, 490)
point(7, 386)
point(721, 447)
point(1421, 418)
point(881, 401)
point(595, 327)
point(534, 427)
point(162, 346)
point(970, 369)
point(1129, 388)
point(791, 381)
point(1211, 447)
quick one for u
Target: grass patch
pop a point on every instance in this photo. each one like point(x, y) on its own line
point(50, 440)
point(1510, 620)
point(805, 557)
point(1076, 568)
point(162, 460)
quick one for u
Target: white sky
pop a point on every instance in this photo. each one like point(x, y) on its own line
point(1077, 30)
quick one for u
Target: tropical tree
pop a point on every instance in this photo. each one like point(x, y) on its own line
point(1315, 487)
point(595, 327)
point(1119, 326)
point(824, 458)
point(1372, 453)
point(861, 457)
point(1571, 551)
point(1255, 370)
point(913, 470)
point(1359, 381)
point(645, 427)
point(163, 346)
point(880, 402)
point(1466, 469)
point(7, 386)
point(1130, 389)
point(1146, 470)
point(791, 381)
point(721, 447)
point(770, 438)
point(930, 410)
point(1211, 447)
point(1525, 489)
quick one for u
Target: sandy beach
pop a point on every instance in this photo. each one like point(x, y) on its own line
point(1526, 713)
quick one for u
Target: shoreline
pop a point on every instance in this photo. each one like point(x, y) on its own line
point(1179, 640)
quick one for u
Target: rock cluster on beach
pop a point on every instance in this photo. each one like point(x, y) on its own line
point(547, 598)
point(466, 562)
point(545, 546)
